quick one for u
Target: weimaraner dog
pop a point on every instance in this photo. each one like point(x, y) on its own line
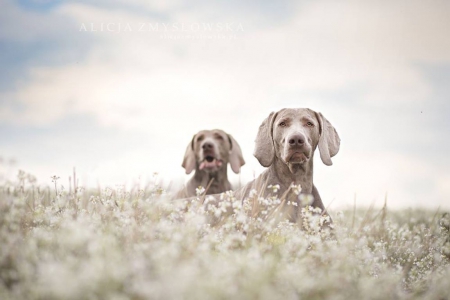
point(285, 144)
point(208, 154)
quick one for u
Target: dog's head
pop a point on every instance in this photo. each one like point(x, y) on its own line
point(292, 135)
point(212, 150)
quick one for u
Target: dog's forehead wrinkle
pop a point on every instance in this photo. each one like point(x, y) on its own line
point(214, 133)
point(211, 132)
point(207, 133)
point(293, 114)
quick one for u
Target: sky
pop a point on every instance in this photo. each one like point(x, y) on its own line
point(118, 88)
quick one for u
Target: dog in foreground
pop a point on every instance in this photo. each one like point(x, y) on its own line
point(285, 144)
point(209, 153)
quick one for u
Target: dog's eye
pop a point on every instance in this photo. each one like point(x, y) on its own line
point(309, 124)
point(200, 138)
point(282, 124)
point(219, 137)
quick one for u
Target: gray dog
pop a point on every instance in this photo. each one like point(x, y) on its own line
point(209, 153)
point(285, 144)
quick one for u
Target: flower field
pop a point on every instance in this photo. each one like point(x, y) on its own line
point(115, 243)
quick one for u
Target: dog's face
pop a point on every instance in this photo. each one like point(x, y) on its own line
point(295, 135)
point(292, 135)
point(211, 148)
point(211, 151)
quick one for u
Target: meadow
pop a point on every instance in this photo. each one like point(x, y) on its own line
point(118, 243)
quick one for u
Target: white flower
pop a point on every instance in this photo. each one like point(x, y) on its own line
point(274, 187)
point(199, 191)
point(296, 188)
point(306, 199)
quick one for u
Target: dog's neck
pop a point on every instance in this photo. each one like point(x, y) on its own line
point(298, 174)
point(219, 179)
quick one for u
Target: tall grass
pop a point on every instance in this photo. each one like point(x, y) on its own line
point(137, 244)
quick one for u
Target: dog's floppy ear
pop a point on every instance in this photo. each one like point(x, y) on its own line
point(264, 149)
point(329, 140)
point(236, 159)
point(189, 157)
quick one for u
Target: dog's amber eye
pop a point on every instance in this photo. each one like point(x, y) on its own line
point(282, 124)
point(309, 124)
point(200, 138)
point(219, 137)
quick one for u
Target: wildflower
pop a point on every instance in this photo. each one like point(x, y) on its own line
point(199, 191)
point(296, 188)
point(31, 179)
point(306, 199)
point(445, 221)
point(253, 193)
point(21, 175)
point(274, 187)
point(236, 204)
point(241, 218)
point(324, 220)
point(209, 199)
point(317, 210)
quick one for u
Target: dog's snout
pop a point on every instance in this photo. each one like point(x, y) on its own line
point(207, 146)
point(296, 140)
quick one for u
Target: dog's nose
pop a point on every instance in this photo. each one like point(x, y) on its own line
point(296, 140)
point(207, 146)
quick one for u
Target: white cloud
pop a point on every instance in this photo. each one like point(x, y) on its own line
point(318, 50)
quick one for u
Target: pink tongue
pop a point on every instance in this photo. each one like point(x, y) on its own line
point(207, 164)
